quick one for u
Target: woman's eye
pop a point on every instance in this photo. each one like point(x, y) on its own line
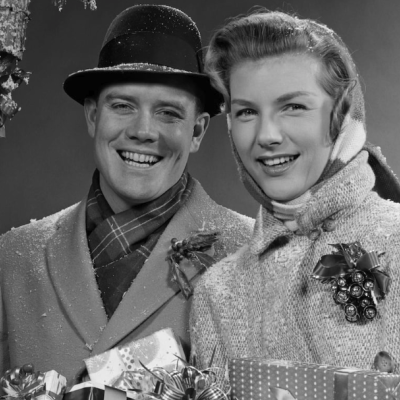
point(294, 107)
point(246, 112)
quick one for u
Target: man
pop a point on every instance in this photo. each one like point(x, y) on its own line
point(95, 275)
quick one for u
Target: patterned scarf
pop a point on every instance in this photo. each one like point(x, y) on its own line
point(121, 243)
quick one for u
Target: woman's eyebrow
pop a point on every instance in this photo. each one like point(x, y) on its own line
point(241, 102)
point(289, 96)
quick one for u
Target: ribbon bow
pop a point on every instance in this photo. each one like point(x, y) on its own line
point(348, 259)
point(193, 249)
point(25, 384)
point(355, 279)
point(187, 384)
point(22, 383)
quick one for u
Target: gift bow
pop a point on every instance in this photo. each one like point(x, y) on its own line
point(20, 384)
point(334, 265)
point(187, 384)
point(24, 383)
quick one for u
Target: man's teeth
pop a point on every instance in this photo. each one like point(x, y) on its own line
point(278, 160)
point(134, 158)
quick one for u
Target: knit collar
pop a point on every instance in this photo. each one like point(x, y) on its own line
point(343, 191)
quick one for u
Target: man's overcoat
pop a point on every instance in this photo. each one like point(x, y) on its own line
point(51, 311)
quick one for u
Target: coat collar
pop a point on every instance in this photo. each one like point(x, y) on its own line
point(346, 189)
point(72, 273)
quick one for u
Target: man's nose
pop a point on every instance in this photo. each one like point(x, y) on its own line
point(142, 128)
point(269, 132)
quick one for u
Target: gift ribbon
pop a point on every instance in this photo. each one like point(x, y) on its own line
point(334, 265)
point(393, 393)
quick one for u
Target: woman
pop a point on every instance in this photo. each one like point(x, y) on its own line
point(295, 115)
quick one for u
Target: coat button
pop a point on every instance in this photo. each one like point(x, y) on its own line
point(329, 225)
point(314, 234)
point(383, 362)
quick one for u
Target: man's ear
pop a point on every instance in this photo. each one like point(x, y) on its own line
point(199, 130)
point(90, 107)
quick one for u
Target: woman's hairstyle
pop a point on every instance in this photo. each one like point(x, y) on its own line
point(266, 33)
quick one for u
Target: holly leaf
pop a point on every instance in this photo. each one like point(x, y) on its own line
point(201, 260)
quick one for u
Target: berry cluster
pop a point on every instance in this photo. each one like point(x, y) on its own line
point(354, 291)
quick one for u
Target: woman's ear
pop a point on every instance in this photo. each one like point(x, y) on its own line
point(90, 108)
point(199, 130)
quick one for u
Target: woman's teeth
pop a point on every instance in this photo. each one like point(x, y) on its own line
point(278, 160)
point(139, 160)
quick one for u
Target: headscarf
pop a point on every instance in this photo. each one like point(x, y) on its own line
point(348, 144)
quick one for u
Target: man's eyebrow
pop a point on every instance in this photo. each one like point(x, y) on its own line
point(116, 95)
point(172, 103)
point(290, 96)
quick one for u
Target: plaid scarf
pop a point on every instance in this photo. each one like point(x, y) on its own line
point(121, 243)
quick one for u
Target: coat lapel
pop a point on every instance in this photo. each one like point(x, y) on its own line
point(71, 272)
point(152, 288)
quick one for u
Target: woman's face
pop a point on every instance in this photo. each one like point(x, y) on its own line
point(280, 119)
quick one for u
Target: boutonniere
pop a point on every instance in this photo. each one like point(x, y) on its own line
point(193, 249)
point(356, 282)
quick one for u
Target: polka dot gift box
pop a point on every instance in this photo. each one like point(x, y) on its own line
point(157, 350)
point(258, 379)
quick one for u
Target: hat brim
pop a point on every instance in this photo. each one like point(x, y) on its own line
point(83, 84)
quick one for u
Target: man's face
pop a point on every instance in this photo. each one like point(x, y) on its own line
point(143, 133)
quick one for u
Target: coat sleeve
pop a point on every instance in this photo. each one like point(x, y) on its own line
point(207, 345)
point(4, 350)
point(4, 354)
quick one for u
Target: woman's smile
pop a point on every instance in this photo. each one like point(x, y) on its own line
point(280, 121)
point(277, 165)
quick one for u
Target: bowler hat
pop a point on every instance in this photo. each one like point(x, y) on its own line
point(143, 40)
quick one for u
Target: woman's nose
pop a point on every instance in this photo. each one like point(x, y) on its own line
point(269, 133)
point(142, 128)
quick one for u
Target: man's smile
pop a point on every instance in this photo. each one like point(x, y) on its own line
point(140, 160)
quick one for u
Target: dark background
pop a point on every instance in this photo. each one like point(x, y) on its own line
point(46, 160)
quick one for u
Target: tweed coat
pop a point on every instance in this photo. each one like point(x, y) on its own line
point(262, 300)
point(51, 311)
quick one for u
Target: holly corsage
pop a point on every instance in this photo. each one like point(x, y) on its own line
point(192, 249)
point(356, 282)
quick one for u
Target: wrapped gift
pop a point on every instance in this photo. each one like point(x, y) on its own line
point(161, 349)
point(287, 380)
point(24, 383)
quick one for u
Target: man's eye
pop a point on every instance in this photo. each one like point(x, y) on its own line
point(121, 106)
point(170, 114)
